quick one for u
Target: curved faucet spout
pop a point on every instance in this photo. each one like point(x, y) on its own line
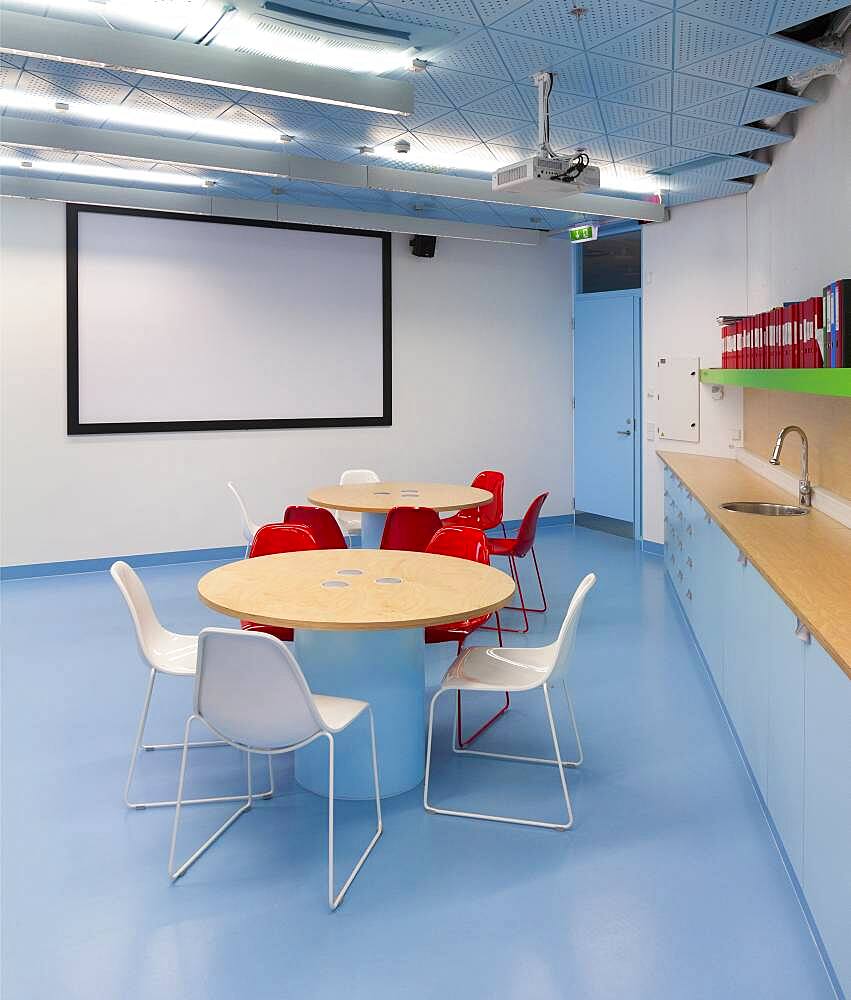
point(805, 490)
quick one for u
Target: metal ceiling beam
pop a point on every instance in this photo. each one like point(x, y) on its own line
point(221, 157)
point(128, 51)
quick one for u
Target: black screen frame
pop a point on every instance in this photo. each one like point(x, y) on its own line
point(75, 427)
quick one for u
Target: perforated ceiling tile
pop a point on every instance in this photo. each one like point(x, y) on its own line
point(759, 62)
point(30, 83)
point(280, 104)
point(718, 168)
point(585, 116)
point(409, 16)
point(506, 102)
point(422, 114)
point(9, 76)
point(489, 127)
point(426, 89)
point(545, 19)
point(737, 140)
point(620, 116)
point(721, 189)
point(525, 137)
point(753, 15)
point(691, 90)
point(604, 21)
point(697, 39)
point(655, 94)
point(765, 103)
point(650, 44)
point(7, 59)
point(686, 130)
point(162, 85)
point(722, 109)
point(790, 12)
point(623, 147)
point(454, 124)
point(457, 10)
point(526, 56)
point(661, 158)
point(493, 10)
point(287, 121)
point(560, 100)
point(570, 140)
point(461, 88)
point(89, 90)
point(612, 75)
point(658, 130)
point(474, 54)
point(198, 107)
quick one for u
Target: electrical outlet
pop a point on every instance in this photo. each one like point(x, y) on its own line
point(650, 430)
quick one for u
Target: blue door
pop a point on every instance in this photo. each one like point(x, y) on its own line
point(605, 351)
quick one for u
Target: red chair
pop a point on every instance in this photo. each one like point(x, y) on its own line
point(489, 515)
point(516, 548)
point(410, 529)
point(320, 522)
point(463, 543)
point(270, 540)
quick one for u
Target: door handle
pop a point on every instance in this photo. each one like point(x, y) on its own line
point(624, 433)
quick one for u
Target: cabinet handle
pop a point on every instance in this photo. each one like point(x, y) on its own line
point(689, 563)
point(802, 632)
point(742, 558)
point(680, 574)
point(688, 594)
point(688, 530)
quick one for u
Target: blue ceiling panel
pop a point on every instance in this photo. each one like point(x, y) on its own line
point(423, 113)
point(453, 10)
point(714, 168)
point(691, 90)
point(753, 15)
point(489, 127)
point(698, 39)
point(545, 20)
point(454, 124)
point(526, 56)
point(759, 62)
point(685, 129)
point(560, 100)
point(657, 130)
point(506, 102)
point(722, 109)
point(603, 21)
point(651, 44)
point(765, 103)
point(461, 88)
point(655, 94)
point(720, 189)
point(473, 54)
point(428, 20)
point(612, 75)
point(586, 116)
point(737, 140)
point(491, 11)
point(623, 147)
point(660, 158)
point(426, 90)
point(620, 116)
point(788, 13)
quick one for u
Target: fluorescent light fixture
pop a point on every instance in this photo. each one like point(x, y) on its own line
point(291, 39)
point(613, 179)
point(105, 173)
point(476, 160)
point(154, 121)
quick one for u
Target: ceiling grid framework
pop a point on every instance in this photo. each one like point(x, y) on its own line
point(641, 85)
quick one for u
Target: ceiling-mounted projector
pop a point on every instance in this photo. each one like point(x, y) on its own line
point(546, 174)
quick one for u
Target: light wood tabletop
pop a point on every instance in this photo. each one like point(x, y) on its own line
point(355, 589)
point(379, 498)
point(807, 560)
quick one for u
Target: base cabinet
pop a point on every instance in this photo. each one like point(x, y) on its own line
point(788, 700)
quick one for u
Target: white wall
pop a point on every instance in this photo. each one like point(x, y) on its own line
point(784, 239)
point(481, 380)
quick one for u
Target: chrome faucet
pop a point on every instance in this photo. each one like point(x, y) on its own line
point(805, 489)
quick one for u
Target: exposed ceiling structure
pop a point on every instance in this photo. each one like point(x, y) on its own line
point(666, 97)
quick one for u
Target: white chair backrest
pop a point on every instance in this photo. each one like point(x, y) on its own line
point(354, 476)
point(562, 648)
point(249, 528)
point(250, 690)
point(149, 631)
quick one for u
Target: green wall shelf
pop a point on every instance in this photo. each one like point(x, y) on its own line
point(816, 381)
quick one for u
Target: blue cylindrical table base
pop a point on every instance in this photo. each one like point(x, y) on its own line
point(371, 530)
point(387, 669)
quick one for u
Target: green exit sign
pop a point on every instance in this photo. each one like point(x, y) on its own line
point(582, 234)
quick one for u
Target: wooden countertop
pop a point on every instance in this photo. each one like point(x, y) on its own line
point(355, 589)
point(807, 560)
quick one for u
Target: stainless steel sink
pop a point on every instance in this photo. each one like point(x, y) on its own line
point(769, 509)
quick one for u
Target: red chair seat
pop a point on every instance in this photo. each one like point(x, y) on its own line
point(488, 515)
point(278, 631)
point(454, 631)
point(501, 546)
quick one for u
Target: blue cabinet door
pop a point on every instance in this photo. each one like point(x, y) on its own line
point(827, 806)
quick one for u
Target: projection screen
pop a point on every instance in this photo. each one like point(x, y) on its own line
point(182, 322)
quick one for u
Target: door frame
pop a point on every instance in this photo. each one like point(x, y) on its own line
point(637, 393)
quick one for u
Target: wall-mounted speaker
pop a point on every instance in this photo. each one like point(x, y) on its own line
point(423, 246)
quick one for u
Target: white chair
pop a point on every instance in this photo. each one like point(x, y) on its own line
point(350, 520)
point(250, 691)
point(165, 653)
point(249, 527)
point(479, 668)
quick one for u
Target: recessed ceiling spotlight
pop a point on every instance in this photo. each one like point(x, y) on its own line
point(286, 137)
point(366, 150)
point(278, 190)
point(402, 146)
point(208, 183)
point(577, 11)
point(62, 106)
point(418, 65)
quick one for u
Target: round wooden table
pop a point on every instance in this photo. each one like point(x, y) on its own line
point(373, 500)
point(359, 617)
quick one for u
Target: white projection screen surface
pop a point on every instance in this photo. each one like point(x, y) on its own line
point(195, 323)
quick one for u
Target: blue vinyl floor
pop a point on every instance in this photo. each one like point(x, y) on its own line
point(669, 885)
